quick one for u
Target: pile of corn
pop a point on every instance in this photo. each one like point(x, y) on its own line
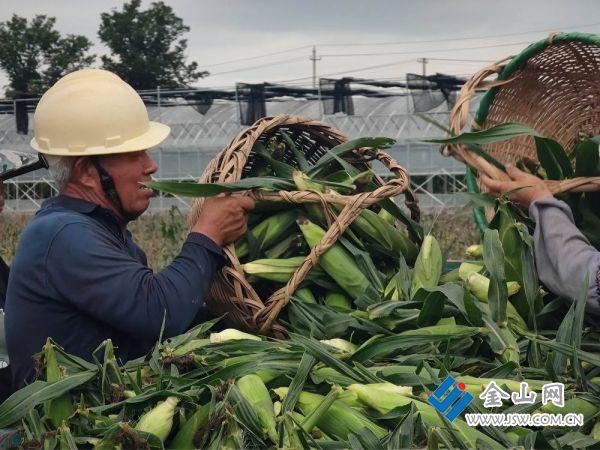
point(374, 328)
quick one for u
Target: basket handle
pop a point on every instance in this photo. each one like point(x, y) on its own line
point(460, 115)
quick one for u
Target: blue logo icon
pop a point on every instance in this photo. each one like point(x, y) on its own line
point(450, 399)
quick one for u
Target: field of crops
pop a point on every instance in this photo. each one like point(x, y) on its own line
point(161, 234)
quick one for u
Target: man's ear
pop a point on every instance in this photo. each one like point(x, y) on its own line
point(84, 173)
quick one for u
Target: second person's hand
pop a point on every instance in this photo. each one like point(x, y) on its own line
point(527, 188)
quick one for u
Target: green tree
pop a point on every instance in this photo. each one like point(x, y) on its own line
point(34, 55)
point(148, 49)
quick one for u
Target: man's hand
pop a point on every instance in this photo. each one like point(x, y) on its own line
point(223, 218)
point(533, 188)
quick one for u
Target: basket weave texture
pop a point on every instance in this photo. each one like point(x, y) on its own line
point(553, 86)
point(231, 293)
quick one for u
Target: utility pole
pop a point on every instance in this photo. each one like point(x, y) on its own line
point(314, 60)
point(424, 61)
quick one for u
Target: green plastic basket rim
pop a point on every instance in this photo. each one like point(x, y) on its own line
point(488, 98)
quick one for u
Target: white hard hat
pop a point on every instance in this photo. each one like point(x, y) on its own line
point(93, 112)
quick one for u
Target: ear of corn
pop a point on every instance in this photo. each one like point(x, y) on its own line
point(371, 227)
point(385, 215)
point(480, 284)
point(338, 301)
point(336, 262)
point(428, 267)
point(255, 392)
point(184, 439)
point(384, 397)
point(306, 295)
point(339, 420)
point(315, 415)
point(231, 334)
point(60, 408)
point(280, 270)
point(268, 232)
point(159, 420)
point(465, 269)
point(572, 405)
point(346, 348)
point(474, 251)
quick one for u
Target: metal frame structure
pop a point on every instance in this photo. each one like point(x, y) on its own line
point(195, 139)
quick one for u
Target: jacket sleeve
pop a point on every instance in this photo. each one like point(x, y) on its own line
point(102, 280)
point(564, 257)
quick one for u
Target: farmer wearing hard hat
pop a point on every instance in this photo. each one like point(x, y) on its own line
point(78, 277)
point(563, 255)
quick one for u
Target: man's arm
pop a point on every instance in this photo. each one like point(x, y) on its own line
point(100, 279)
point(564, 256)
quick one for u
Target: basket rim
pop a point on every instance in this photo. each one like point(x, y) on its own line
point(488, 98)
point(516, 62)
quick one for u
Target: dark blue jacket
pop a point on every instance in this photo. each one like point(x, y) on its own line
point(78, 279)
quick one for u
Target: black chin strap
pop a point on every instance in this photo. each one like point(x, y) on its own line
point(108, 186)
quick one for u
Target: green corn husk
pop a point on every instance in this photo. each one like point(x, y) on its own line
point(339, 420)
point(60, 408)
point(269, 232)
point(184, 439)
point(337, 262)
point(255, 392)
point(384, 398)
point(280, 270)
point(465, 269)
point(338, 301)
point(428, 267)
point(231, 334)
point(159, 420)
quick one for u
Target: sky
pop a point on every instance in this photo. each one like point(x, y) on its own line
point(272, 40)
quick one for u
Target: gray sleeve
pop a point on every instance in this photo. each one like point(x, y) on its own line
point(563, 255)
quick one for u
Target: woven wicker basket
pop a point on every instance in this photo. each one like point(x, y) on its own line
point(231, 292)
point(552, 86)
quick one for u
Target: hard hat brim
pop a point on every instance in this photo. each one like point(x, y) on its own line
point(156, 133)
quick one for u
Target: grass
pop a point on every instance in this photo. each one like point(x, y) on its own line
point(161, 235)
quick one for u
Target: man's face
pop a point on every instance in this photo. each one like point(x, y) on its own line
point(128, 170)
point(1, 196)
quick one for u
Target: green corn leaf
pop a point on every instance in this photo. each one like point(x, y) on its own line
point(340, 150)
point(498, 133)
point(493, 258)
point(298, 154)
point(587, 159)
point(380, 347)
point(403, 434)
point(553, 159)
point(320, 352)
point(280, 168)
point(21, 402)
point(190, 189)
point(306, 364)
